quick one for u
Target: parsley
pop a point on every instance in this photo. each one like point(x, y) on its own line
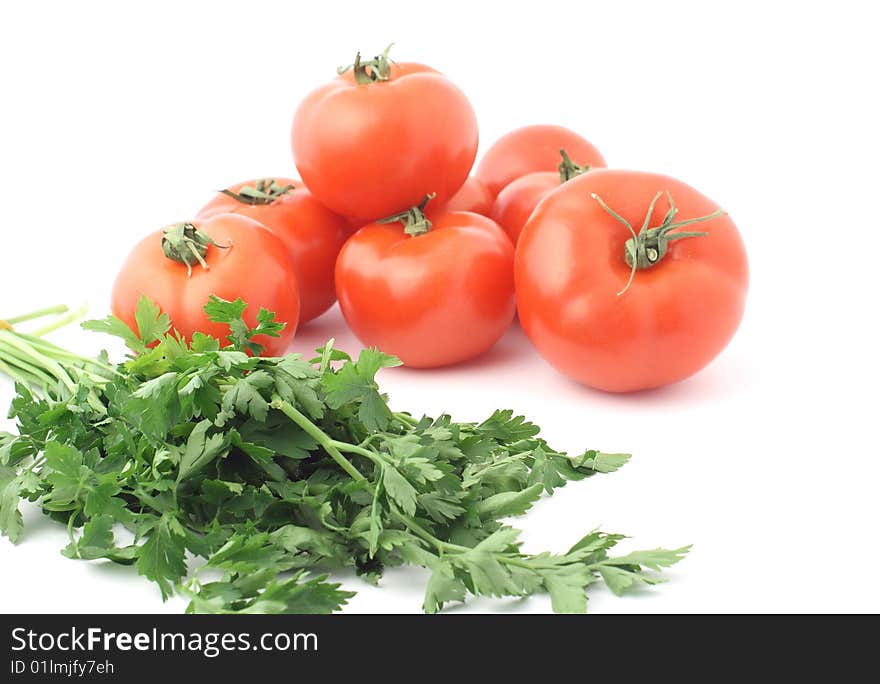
point(271, 469)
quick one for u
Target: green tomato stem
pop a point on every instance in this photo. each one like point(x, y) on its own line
point(413, 219)
point(568, 169)
point(186, 244)
point(262, 192)
point(372, 70)
point(647, 248)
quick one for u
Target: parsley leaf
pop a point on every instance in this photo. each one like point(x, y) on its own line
point(161, 558)
point(268, 468)
point(356, 383)
point(240, 335)
point(152, 325)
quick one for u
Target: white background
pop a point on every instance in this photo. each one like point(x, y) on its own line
point(116, 120)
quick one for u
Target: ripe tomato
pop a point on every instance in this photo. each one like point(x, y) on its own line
point(532, 148)
point(383, 135)
point(237, 257)
point(435, 293)
point(472, 196)
point(312, 233)
point(518, 199)
point(615, 327)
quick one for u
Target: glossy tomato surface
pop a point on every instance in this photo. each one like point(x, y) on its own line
point(517, 200)
point(256, 267)
point(533, 148)
point(370, 150)
point(312, 234)
point(432, 299)
point(472, 196)
point(674, 318)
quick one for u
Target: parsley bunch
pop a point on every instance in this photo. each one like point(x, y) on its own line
point(273, 471)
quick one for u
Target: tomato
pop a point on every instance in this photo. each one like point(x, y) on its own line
point(439, 295)
point(312, 233)
point(382, 136)
point(618, 328)
point(518, 199)
point(472, 196)
point(240, 258)
point(529, 149)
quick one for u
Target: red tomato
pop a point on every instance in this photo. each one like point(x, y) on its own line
point(577, 303)
point(473, 196)
point(244, 260)
point(533, 148)
point(518, 199)
point(312, 233)
point(432, 298)
point(354, 225)
point(382, 136)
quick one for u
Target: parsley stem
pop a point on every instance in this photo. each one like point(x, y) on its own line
point(318, 435)
point(149, 500)
point(332, 447)
point(39, 313)
point(355, 449)
point(45, 363)
point(519, 563)
point(26, 363)
point(25, 375)
point(63, 355)
point(406, 419)
point(427, 536)
point(70, 522)
point(36, 463)
point(61, 321)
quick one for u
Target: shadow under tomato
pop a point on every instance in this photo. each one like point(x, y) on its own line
point(722, 379)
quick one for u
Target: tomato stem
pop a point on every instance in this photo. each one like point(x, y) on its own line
point(371, 70)
point(414, 220)
point(647, 248)
point(568, 169)
point(186, 244)
point(263, 191)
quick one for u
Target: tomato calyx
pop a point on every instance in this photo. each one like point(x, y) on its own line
point(186, 244)
point(647, 248)
point(413, 219)
point(371, 70)
point(263, 191)
point(568, 169)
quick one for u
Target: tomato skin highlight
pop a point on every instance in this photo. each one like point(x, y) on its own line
point(312, 234)
point(517, 200)
point(367, 151)
point(433, 299)
point(257, 268)
point(473, 196)
point(533, 148)
point(675, 317)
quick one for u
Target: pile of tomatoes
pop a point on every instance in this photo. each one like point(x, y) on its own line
point(623, 280)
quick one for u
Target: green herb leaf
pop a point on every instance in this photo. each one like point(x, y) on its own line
point(266, 468)
point(355, 383)
point(240, 335)
point(161, 558)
